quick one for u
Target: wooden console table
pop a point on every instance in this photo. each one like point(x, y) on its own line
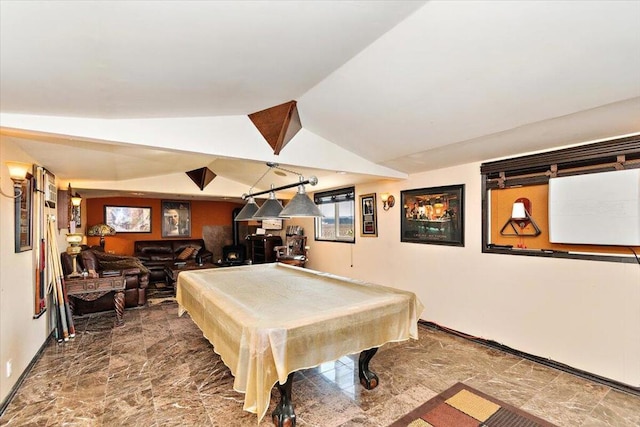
point(90, 289)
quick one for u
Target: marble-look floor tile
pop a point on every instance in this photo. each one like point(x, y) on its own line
point(567, 400)
point(617, 409)
point(158, 370)
point(179, 404)
point(130, 406)
point(32, 414)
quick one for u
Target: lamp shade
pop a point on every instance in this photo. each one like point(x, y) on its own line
point(18, 171)
point(518, 211)
point(76, 200)
point(301, 206)
point(270, 209)
point(101, 230)
point(247, 212)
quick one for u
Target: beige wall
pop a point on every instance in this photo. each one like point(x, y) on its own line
point(581, 313)
point(21, 336)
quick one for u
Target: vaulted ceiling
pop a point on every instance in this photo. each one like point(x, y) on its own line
point(127, 96)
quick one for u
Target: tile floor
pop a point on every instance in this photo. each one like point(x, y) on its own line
point(157, 370)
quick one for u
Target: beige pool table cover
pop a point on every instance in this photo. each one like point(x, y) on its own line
point(266, 321)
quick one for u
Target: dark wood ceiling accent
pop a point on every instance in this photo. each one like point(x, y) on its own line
point(202, 177)
point(609, 155)
point(278, 125)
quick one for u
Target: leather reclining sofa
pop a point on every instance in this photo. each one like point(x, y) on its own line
point(136, 276)
point(155, 254)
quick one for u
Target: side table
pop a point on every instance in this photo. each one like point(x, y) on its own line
point(92, 288)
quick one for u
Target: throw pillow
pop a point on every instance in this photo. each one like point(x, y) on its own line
point(187, 253)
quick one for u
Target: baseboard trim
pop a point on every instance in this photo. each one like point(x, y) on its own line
point(23, 376)
point(541, 360)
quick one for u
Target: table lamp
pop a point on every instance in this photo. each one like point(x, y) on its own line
point(74, 240)
point(101, 230)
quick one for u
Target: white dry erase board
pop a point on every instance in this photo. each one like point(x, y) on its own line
point(596, 208)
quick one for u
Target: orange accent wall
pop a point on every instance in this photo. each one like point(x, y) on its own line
point(202, 213)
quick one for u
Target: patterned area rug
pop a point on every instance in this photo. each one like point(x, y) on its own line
point(463, 406)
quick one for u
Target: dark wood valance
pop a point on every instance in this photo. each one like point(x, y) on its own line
point(614, 154)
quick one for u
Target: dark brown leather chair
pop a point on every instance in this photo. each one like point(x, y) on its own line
point(136, 276)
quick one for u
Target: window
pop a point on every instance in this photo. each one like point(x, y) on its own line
point(338, 222)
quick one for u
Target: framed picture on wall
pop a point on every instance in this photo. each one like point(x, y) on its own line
point(433, 215)
point(23, 225)
point(369, 225)
point(128, 219)
point(272, 224)
point(176, 218)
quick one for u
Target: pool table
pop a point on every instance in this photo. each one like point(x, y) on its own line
point(267, 321)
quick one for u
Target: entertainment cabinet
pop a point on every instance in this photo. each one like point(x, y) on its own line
point(261, 248)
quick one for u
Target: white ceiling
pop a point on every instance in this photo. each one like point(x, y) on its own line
point(384, 88)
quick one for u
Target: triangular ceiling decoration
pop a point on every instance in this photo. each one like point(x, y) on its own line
point(278, 125)
point(202, 177)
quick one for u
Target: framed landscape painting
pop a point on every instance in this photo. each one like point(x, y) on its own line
point(433, 215)
point(128, 219)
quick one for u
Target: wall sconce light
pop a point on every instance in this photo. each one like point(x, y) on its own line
point(299, 206)
point(18, 173)
point(74, 210)
point(76, 200)
point(519, 220)
point(388, 201)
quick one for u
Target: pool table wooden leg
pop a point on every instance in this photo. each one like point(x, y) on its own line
point(368, 379)
point(283, 415)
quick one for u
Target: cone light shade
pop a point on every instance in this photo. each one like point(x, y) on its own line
point(270, 209)
point(518, 211)
point(247, 212)
point(301, 206)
